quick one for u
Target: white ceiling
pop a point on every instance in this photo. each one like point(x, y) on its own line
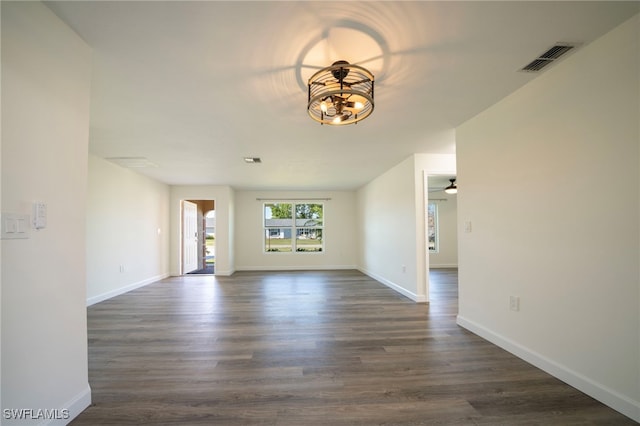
point(194, 87)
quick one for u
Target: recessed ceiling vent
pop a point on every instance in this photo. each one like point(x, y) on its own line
point(548, 57)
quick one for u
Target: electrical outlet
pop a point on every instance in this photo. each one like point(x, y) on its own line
point(404, 268)
point(514, 303)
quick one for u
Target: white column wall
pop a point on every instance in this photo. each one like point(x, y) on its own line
point(46, 73)
point(549, 179)
point(391, 225)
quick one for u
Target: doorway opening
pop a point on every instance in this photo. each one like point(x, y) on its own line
point(442, 237)
point(198, 237)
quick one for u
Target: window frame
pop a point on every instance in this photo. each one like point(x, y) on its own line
point(306, 228)
point(432, 224)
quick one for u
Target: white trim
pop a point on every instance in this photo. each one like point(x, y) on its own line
point(122, 290)
point(443, 265)
point(607, 396)
point(416, 298)
point(223, 273)
point(295, 268)
point(75, 406)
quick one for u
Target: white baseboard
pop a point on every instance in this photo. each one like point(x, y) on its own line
point(415, 297)
point(71, 409)
point(607, 396)
point(122, 290)
point(295, 268)
point(443, 265)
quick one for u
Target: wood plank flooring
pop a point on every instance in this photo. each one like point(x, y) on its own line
point(310, 348)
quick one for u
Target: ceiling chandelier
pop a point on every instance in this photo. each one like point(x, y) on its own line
point(340, 94)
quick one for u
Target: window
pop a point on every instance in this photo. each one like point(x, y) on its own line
point(432, 227)
point(280, 227)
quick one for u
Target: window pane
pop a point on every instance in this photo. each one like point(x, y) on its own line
point(309, 239)
point(432, 223)
point(278, 214)
point(277, 240)
point(309, 214)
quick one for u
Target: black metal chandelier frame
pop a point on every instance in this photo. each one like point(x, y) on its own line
point(340, 94)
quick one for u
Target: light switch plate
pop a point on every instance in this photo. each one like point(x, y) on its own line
point(15, 226)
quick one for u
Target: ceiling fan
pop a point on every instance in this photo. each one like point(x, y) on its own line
point(452, 188)
point(441, 183)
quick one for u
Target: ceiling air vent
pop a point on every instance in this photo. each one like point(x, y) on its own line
point(548, 57)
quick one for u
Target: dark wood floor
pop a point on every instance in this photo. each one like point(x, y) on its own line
point(310, 348)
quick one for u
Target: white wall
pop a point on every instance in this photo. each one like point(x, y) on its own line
point(224, 201)
point(46, 72)
point(1, 273)
point(127, 230)
point(549, 178)
point(447, 255)
point(391, 224)
point(339, 235)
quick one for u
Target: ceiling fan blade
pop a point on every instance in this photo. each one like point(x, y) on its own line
point(353, 83)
